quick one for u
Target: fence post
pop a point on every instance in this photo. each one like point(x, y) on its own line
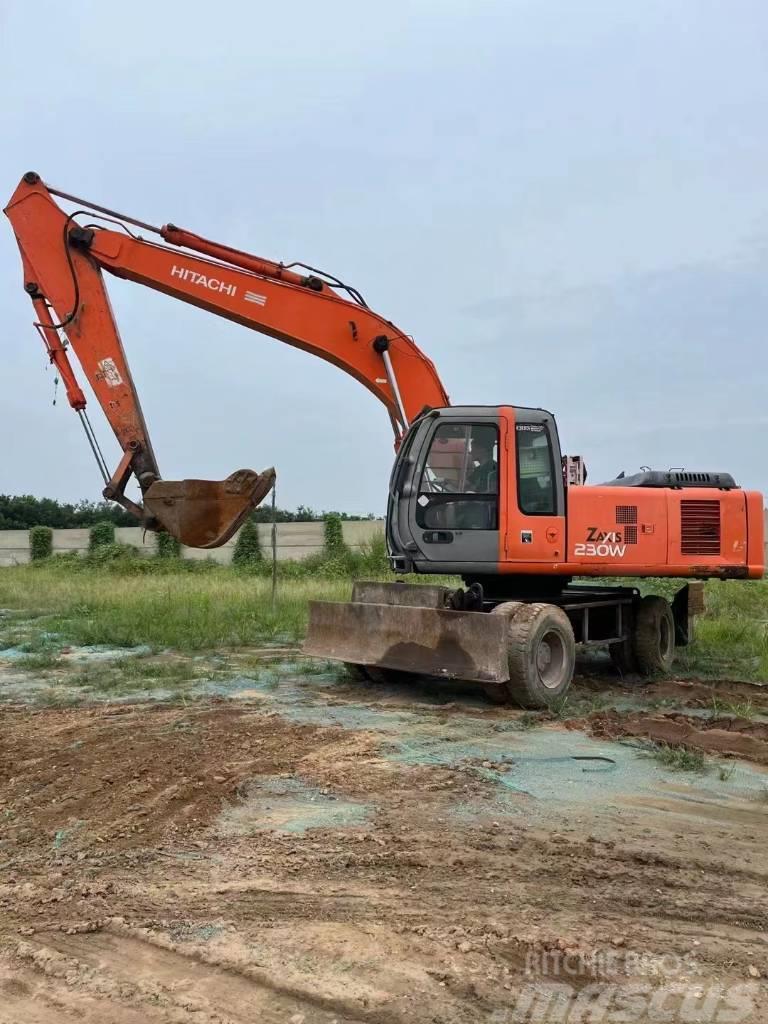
point(274, 546)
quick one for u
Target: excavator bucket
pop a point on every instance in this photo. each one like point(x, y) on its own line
point(205, 513)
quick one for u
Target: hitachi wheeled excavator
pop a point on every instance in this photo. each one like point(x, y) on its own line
point(477, 492)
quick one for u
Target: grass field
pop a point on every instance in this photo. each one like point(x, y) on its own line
point(219, 608)
point(186, 611)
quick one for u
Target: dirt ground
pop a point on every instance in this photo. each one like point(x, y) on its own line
point(308, 850)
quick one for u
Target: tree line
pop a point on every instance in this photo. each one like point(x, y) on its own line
point(23, 512)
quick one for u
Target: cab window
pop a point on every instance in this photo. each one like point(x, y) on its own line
point(459, 485)
point(535, 474)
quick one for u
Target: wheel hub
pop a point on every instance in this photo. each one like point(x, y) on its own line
point(551, 659)
point(544, 656)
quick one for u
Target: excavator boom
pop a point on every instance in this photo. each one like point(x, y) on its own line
point(64, 256)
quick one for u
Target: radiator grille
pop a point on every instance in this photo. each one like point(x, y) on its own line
point(630, 535)
point(700, 527)
point(626, 513)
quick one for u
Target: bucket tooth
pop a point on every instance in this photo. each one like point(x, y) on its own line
point(206, 513)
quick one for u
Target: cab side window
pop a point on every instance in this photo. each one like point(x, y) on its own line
point(535, 470)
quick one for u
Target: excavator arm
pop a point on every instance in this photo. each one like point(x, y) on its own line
point(63, 256)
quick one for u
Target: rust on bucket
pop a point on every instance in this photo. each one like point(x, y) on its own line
point(206, 513)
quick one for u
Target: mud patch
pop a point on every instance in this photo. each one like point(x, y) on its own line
point(725, 737)
point(123, 777)
point(707, 693)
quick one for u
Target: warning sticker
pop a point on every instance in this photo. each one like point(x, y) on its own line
point(110, 373)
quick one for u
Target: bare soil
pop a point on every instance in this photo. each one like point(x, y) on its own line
point(723, 734)
point(134, 887)
point(727, 736)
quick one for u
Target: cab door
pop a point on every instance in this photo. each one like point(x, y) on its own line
point(533, 523)
point(453, 507)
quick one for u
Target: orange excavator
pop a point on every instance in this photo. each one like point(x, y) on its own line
point(479, 492)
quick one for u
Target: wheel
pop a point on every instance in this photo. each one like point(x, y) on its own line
point(498, 693)
point(541, 653)
point(653, 636)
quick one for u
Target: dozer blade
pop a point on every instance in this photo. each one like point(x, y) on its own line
point(426, 641)
point(205, 513)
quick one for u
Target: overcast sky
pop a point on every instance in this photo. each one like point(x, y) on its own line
point(565, 203)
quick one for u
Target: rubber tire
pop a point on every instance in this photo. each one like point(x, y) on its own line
point(528, 625)
point(653, 636)
point(498, 693)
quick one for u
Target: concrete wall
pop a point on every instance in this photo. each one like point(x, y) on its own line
point(294, 541)
point(14, 547)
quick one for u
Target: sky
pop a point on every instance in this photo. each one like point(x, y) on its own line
point(565, 204)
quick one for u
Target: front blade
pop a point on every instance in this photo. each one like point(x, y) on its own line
point(206, 513)
point(426, 641)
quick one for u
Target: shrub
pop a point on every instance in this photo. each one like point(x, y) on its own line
point(334, 546)
point(373, 559)
point(247, 553)
point(40, 543)
point(105, 553)
point(168, 546)
point(101, 534)
point(69, 560)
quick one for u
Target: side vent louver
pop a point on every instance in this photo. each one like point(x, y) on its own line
point(626, 516)
point(700, 527)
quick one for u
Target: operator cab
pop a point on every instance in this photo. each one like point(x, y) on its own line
point(455, 474)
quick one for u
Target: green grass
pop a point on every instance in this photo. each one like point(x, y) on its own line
point(198, 606)
point(57, 694)
point(562, 708)
point(38, 662)
point(736, 709)
point(125, 676)
point(679, 759)
point(114, 598)
point(576, 706)
point(731, 639)
point(185, 611)
point(315, 668)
